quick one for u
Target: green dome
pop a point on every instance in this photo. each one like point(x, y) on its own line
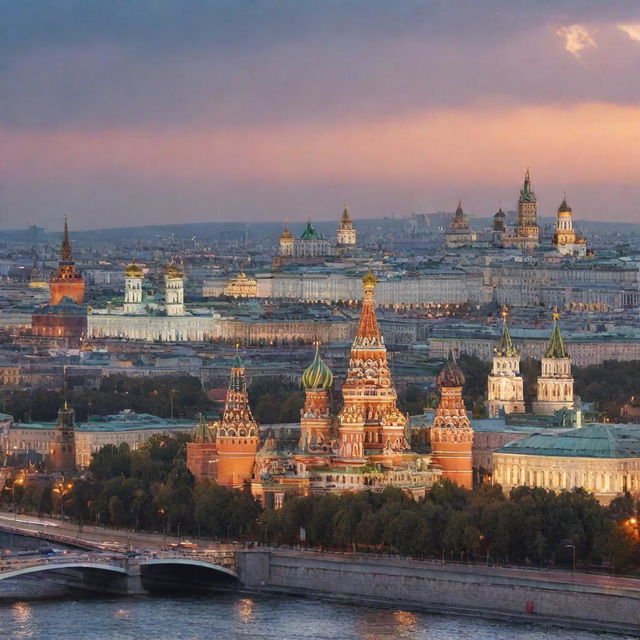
point(318, 375)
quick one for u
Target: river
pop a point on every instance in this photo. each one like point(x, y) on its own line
point(237, 616)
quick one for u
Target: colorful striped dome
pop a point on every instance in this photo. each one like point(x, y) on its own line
point(317, 375)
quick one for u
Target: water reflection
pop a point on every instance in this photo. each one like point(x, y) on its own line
point(23, 616)
point(244, 609)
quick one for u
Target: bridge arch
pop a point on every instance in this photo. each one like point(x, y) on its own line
point(7, 573)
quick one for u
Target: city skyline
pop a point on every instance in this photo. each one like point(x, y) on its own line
point(204, 112)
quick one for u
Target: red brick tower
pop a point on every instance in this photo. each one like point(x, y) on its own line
point(67, 282)
point(451, 433)
point(202, 453)
point(237, 435)
point(369, 423)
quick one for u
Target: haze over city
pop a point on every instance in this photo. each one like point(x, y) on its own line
point(210, 111)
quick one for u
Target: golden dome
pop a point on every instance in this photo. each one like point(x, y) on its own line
point(369, 278)
point(133, 271)
point(173, 273)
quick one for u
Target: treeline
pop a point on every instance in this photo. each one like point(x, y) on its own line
point(533, 527)
point(155, 395)
point(274, 399)
point(148, 489)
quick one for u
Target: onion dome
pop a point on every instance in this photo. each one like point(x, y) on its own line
point(317, 375)
point(451, 374)
point(173, 273)
point(133, 271)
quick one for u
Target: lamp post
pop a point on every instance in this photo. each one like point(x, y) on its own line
point(573, 548)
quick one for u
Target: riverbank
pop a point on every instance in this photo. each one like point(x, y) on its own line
point(578, 601)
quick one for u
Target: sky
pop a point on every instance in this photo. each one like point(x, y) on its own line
point(122, 113)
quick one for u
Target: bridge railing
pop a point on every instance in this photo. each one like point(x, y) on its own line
point(14, 564)
point(227, 559)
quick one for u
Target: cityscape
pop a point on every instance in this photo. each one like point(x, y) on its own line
point(240, 374)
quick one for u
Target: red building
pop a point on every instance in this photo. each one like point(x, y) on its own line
point(68, 281)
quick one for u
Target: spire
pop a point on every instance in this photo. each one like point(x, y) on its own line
point(238, 381)
point(459, 212)
point(368, 326)
point(203, 433)
point(65, 248)
point(526, 193)
point(556, 348)
point(506, 346)
point(345, 213)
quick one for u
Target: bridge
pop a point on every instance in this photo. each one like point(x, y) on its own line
point(117, 573)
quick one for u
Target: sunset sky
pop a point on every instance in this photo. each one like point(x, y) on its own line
point(154, 111)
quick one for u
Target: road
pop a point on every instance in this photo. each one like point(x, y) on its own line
point(94, 536)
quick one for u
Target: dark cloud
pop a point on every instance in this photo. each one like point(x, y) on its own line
point(160, 63)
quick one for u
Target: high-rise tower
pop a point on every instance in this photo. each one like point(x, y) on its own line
point(67, 282)
point(346, 236)
point(555, 383)
point(504, 385)
point(237, 435)
point(369, 421)
point(528, 232)
point(451, 432)
point(316, 420)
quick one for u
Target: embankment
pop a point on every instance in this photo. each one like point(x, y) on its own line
point(577, 600)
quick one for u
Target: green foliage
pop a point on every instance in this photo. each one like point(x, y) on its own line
point(532, 527)
point(142, 395)
point(475, 373)
point(275, 399)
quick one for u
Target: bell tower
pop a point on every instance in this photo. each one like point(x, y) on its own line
point(505, 392)
point(528, 232)
point(555, 383)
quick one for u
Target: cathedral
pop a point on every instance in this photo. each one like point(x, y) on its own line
point(144, 316)
point(362, 446)
point(459, 234)
point(565, 238)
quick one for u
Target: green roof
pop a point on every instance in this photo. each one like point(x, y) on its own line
point(505, 346)
point(309, 233)
point(592, 441)
point(526, 194)
point(556, 348)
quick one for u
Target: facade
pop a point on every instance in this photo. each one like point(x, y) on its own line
point(346, 235)
point(9, 375)
point(242, 286)
point(68, 281)
point(565, 238)
point(142, 318)
point(603, 459)
point(127, 427)
point(311, 247)
point(505, 391)
point(451, 433)
point(66, 319)
point(527, 232)
point(555, 383)
point(459, 234)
